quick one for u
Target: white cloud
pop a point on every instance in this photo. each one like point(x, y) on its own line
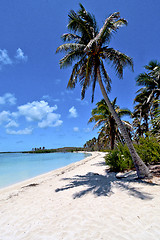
point(20, 55)
point(36, 111)
point(4, 116)
point(25, 131)
point(12, 123)
point(8, 98)
point(15, 114)
point(76, 129)
point(52, 120)
point(73, 112)
point(4, 58)
point(58, 123)
point(42, 113)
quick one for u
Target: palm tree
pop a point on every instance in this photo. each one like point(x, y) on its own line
point(150, 91)
point(147, 97)
point(87, 48)
point(141, 114)
point(90, 145)
point(156, 123)
point(103, 117)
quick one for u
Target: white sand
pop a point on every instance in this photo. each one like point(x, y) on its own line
point(81, 202)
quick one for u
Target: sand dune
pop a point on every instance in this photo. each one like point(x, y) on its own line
point(82, 201)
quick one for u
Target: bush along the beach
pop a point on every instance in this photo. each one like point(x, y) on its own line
point(120, 159)
point(149, 149)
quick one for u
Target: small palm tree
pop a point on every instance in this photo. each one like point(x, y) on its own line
point(90, 145)
point(150, 91)
point(141, 115)
point(104, 119)
point(147, 97)
point(87, 48)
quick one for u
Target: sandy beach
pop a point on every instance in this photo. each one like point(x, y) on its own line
point(81, 201)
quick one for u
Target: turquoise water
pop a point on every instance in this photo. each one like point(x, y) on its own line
point(17, 167)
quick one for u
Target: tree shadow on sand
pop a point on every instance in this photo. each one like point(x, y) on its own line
point(101, 185)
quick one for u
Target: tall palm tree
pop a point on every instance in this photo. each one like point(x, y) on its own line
point(87, 48)
point(104, 119)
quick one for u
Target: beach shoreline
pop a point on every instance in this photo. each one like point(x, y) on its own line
point(80, 201)
point(43, 176)
point(29, 167)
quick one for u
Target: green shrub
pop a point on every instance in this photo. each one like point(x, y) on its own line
point(148, 149)
point(120, 159)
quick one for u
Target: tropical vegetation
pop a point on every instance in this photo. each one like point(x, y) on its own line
point(120, 159)
point(109, 133)
point(146, 109)
point(146, 125)
point(86, 48)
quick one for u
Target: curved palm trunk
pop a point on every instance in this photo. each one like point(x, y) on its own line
point(141, 168)
point(146, 123)
point(112, 133)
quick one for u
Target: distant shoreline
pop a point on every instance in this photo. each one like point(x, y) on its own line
point(63, 149)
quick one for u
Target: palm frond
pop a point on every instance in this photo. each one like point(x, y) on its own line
point(112, 28)
point(119, 60)
point(119, 23)
point(111, 24)
point(97, 118)
point(70, 57)
point(152, 65)
point(106, 77)
point(70, 47)
point(144, 79)
point(124, 112)
point(75, 72)
point(128, 125)
point(89, 19)
point(70, 37)
point(114, 102)
point(77, 24)
point(85, 76)
point(99, 123)
point(108, 25)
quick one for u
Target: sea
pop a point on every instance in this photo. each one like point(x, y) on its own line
point(17, 167)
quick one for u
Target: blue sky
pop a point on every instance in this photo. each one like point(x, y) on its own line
point(36, 109)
